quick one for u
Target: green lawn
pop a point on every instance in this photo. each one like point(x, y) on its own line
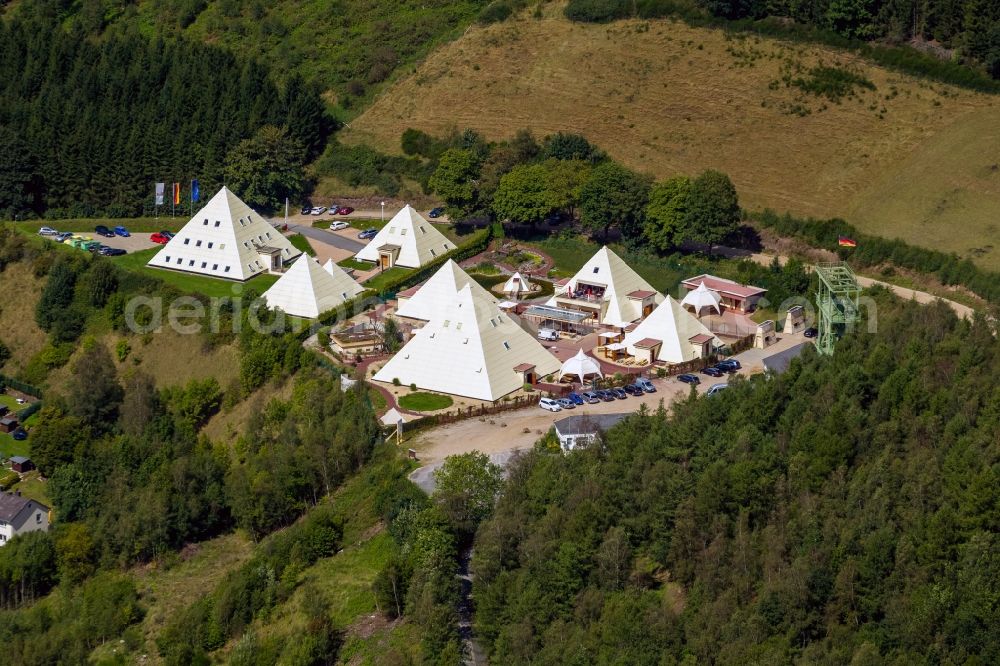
point(187, 282)
point(378, 400)
point(32, 487)
point(378, 280)
point(137, 224)
point(11, 447)
point(351, 262)
point(425, 402)
point(302, 243)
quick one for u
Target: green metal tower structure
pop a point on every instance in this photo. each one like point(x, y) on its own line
point(836, 302)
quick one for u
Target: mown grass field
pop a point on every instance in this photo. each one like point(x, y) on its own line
point(910, 158)
point(188, 282)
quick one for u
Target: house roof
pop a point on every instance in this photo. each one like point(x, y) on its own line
point(8, 420)
point(723, 286)
point(308, 289)
point(675, 327)
point(11, 505)
point(648, 343)
point(608, 269)
point(470, 348)
point(437, 294)
point(523, 367)
point(586, 424)
point(237, 235)
point(701, 338)
point(418, 240)
point(19, 459)
point(641, 294)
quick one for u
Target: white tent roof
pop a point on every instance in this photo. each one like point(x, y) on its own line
point(221, 240)
point(418, 240)
point(438, 294)
point(674, 327)
point(392, 417)
point(308, 289)
point(607, 269)
point(516, 284)
point(703, 297)
point(580, 365)
point(471, 350)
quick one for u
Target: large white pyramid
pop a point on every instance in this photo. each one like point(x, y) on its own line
point(308, 289)
point(674, 327)
point(472, 350)
point(416, 240)
point(625, 291)
point(436, 295)
point(223, 240)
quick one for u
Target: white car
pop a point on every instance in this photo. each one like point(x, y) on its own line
point(549, 404)
point(319, 210)
point(547, 334)
point(716, 388)
point(47, 231)
point(337, 226)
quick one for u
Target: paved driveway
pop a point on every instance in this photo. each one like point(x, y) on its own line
point(339, 240)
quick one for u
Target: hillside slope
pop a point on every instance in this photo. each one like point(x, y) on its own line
point(667, 98)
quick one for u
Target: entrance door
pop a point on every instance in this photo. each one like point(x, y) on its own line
point(386, 261)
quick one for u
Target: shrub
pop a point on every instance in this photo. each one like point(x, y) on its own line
point(9, 479)
point(323, 338)
point(413, 386)
point(597, 11)
point(395, 381)
point(495, 12)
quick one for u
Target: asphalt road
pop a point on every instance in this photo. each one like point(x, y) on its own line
point(328, 237)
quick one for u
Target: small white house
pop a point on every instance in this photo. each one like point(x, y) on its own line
point(19, 515)
point(584, 429)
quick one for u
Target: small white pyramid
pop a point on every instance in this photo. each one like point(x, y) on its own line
point(516, 285)
point(438, 294)
point(674, 327)
point(308, 289)
point(415, 239)
point(622, 288)
point(472, 350)
point(222, 240)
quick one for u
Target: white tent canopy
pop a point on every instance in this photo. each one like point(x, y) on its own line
point(225, 240)
point(516, 285)
point(580, 365)
point(703, 297)
point(308, 289)
point(417, 241)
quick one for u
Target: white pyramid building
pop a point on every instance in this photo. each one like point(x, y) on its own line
point(226, 239)
point(516, 285)
point(474, 350)
point(437, 295)
point(407, 240)
point(609, 288)
point(671, 334)
point(308, 289)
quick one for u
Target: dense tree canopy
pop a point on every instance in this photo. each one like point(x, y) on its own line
point(845, 510)
point(266, 168)
point(614, 196)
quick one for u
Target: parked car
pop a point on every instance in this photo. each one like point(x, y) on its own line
point(547, 334)
point(102, 230)
point(122, 231)
point(368, 233)
point(632, 389)
point(345, 210)
point(333, 209)
point(606, 395)
point(436, 212)
point(111, 251)
point(90, 246)
point(20, 434)
point(712, 371)
point(810, 332)
point(47, 231)
point(619, 393)
point(63, 236)
point(645, 385)
point(159, 238)
point(731, 363)
point(688, 378)
point(306, 210)
point(319, 210)
point(590, 397)
point(337, 226)
point(168, 234)
point(576, 398)
point(716, 388)
point(566, 403)
point(549, 404)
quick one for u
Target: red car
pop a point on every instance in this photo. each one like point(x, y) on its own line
point(345, 210)
point(159, 238)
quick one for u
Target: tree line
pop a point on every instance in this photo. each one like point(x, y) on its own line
point(846, 511)
point(87, 126)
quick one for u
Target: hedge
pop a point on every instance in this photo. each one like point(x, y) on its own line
point(9, 479)
point(950, 269)
point(27, 389)
point(25, 413)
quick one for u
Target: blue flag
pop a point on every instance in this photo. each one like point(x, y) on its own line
point(194, 190)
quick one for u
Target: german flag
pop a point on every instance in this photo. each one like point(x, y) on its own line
point(844, 241)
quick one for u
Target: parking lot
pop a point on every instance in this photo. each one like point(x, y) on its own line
point(133, 243)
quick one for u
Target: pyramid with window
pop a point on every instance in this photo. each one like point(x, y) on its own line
point(471, 349)
point(308, 289)
point(226, 239)
point(407, 240)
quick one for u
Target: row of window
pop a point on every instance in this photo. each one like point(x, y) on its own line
point(222, 246)
point(204, 264)
point(187, 241)
point(243, 222)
